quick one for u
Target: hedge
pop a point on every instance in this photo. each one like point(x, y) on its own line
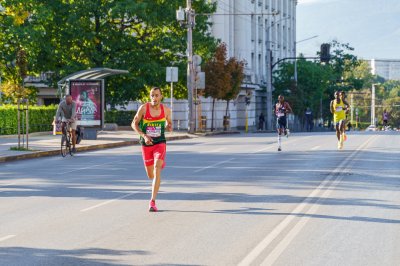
point(121, 118)
point(41, 118)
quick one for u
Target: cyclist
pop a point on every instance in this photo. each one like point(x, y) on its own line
point(281, 109)
point(67, 111)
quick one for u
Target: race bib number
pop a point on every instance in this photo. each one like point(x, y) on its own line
point(339, 108)
point(280, 114)
point(153, 131)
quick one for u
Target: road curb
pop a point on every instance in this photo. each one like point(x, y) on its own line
point(38, 154)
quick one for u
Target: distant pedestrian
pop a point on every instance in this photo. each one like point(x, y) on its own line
point(150, 122)
point(261, 121)
point(309, 119)
point(385, 118)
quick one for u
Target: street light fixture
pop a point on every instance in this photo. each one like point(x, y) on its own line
point(295, 61)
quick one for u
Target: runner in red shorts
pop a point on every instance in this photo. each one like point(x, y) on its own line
point(150, 122)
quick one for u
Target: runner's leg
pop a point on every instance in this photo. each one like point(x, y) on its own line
point(157, 178)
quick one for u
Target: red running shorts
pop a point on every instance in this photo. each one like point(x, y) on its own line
point(154, 152)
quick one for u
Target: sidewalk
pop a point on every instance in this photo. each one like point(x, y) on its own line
point(45, 144)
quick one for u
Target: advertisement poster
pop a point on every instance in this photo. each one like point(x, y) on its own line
point(87, 95)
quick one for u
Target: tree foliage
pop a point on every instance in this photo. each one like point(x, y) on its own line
point(140, 36)
point(317, 82)
point(223, 77)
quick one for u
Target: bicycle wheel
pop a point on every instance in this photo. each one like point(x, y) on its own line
point(64, 146)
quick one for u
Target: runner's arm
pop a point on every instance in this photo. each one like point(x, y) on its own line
point(135, 124)
point(288, 108)
point(168, 111)
point(331, 108)
point(347, 106)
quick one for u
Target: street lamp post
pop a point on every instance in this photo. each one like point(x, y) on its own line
point(373, 122)
point(269, 69)
point(295, 51)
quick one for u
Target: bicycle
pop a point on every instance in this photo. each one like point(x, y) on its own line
point(66, 142)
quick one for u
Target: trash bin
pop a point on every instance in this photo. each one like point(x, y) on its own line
point(226, 123)
point(203, 125)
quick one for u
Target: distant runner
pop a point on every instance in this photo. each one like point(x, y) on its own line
point(281, 109)
point(338, 109)
point(347, 105)
point(150, 122)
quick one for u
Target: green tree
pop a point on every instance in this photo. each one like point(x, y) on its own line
point(223, 78)
point(318, 81)
point(217, 78)
point(140, 36)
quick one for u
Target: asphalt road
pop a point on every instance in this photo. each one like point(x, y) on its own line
point(224, 200)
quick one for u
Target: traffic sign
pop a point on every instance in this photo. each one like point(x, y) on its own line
point(172, 74)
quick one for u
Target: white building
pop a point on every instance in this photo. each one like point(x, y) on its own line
point(260, 32)
point(389, 69)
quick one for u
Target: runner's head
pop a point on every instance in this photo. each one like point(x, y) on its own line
point(155, 96)
point(338, 95)
point(281, 98)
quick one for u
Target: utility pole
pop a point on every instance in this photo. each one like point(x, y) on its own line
point(190, 67)
point(269, 93)
point(373, 105)
point(187, 17)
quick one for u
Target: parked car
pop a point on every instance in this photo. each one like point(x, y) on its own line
point(371, 128)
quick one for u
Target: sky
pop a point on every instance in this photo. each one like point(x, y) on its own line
point(371, 27)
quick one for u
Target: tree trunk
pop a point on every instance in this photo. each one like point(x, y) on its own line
point(212, 115)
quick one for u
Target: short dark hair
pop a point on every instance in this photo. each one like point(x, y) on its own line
point(156, 88)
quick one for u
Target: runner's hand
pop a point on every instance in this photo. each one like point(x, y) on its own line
point(148, 140)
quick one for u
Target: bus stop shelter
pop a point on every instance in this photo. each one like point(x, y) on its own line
point(87, 89)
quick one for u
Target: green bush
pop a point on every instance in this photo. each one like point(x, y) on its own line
point(40, 119)
point(121, 118)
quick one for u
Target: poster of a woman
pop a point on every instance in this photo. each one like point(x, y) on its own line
point(86, 94)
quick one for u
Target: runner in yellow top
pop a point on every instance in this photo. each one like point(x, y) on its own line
point(338, 109)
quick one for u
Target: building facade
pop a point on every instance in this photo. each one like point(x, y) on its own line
point(389, 69)
point(261, 32)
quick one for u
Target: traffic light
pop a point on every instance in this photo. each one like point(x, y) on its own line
point(325, 55)
point(248, 97)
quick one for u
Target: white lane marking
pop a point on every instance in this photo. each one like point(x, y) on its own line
point(214, 165)
point(285, 242)
point(110, 201)
point(6, 237)
point(217, 150)
point(285, 223)
point(315, 148)
point(7, 185)
point(277, 251)
point(88, 167)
